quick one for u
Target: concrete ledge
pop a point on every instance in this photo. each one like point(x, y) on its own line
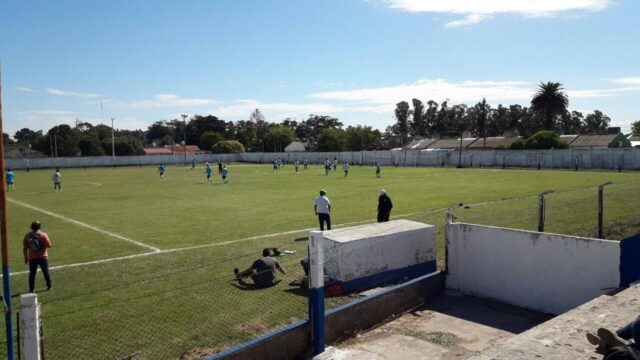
point(294, 341)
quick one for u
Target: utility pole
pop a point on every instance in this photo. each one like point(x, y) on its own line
point(6, 277)
point(113, 141)
point(184, 137)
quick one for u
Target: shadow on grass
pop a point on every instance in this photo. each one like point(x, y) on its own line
point(298, 291)
point(248, 286)
point(302, 238)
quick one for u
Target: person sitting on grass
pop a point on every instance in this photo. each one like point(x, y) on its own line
point(627, 337)
point(262, 271)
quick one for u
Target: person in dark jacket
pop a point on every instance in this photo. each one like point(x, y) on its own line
point(384, 206)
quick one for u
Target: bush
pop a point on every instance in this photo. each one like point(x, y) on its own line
point(227, 147)
point(545, 140)
point(517, 145)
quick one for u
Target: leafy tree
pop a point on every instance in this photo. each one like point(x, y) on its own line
point(246, 133)
point(518, 145)
point(90, 146)
point(402, 117)
point(635, 127)
point(209, 138)
point(25, 135)
point(7, 139)
point(158, 131)
point(277, 138)
point(545, 140)
point(256, 116)
point(227, 147)
point(360, 138)
point(331, 140)
point(550, 101)
point(65, 140)
point(571, 122)
point(596, 123)
point(418, 122)
point(481, 111)
point(431, 119)
point(498, 121)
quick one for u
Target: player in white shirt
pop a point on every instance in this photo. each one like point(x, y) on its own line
point(345, 167)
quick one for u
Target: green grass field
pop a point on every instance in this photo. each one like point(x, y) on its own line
point(181, 296)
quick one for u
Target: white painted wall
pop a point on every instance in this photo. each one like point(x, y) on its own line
point(359, 251)
point(540, 271)
point(549, 159)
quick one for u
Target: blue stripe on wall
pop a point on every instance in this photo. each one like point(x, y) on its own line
point(629, 260)
point(388, 277)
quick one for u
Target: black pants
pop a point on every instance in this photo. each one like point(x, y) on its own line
point(324, 218)
point(383, 216)
point(33, 268)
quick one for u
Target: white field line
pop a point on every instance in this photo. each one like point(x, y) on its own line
point(187, 248)
point(85, 225)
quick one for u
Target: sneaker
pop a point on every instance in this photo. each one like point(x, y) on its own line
point(593, 339)
point(609, 338)
point(49, 287)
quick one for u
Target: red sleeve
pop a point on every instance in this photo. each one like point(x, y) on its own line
point(45, 239)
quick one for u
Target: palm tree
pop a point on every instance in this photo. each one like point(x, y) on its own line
point(550, 101)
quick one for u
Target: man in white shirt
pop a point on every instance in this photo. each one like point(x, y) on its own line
point(322, 208)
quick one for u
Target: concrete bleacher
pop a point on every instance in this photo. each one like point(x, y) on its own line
point(563, 337)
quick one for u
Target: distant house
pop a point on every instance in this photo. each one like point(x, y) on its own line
point(600, 141)
point(443, 144)
point(295, 147)
point(491, 143)
point(634, 140)
point(420, 144)
point(172, 149)
point(568, 138)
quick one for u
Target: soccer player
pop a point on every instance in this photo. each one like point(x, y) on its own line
point(208, 170)
point(335, 163)
point(193, 164)
point(225, 173)
point(327, 167)
point(219, 167)
point(262, 271)
point(306, 163)
point(377, 170)
point(296, 164)
point(345, 167)
point(161, 171)
point(275, 165)
point(10, 178)
point(57, 180)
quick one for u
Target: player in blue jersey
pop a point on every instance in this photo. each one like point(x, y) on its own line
point(378, 170)
point(193, 164)
point(208, 170)
point(161, 171)
point(10, 179)
point(225, 173)
point(275, 165)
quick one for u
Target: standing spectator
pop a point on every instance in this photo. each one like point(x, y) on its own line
point(322, 208)
point(384, 206)
point(377, 170)
point(34, 248)
point(10, 179)
point(57, 180)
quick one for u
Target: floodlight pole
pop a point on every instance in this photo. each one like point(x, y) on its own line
point(6, 274)
point(113, 141)
point(460, 152)
point(601, 208)
point(184, 136)
point(541, 209)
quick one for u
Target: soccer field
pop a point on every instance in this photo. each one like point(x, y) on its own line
point(145, 264)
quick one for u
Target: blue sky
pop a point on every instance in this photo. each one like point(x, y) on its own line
point(353, 59)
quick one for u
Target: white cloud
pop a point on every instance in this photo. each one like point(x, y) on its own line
point(477, 10)
point(171, 100)
point(627, 81)
point(438, 89)
point(241, 109)
point(24, 89)
point(59, 92)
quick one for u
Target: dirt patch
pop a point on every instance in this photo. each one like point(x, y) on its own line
point(252, 327)
point(201, 353)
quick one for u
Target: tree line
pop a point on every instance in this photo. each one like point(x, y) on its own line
point(548, 111)
point(317, 132)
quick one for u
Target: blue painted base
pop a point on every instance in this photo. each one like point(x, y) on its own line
point(629, 263)
point(387, 277)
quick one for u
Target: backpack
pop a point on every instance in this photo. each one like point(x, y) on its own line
point(34, 242)
point(628, 352)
